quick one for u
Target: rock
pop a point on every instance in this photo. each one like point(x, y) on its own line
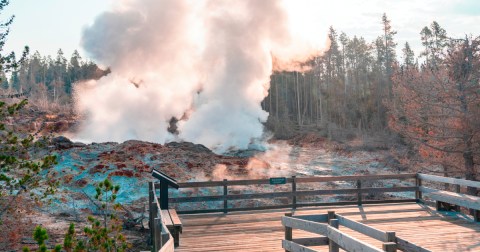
point(79, 144)
point(187, 146)
point(62, 142)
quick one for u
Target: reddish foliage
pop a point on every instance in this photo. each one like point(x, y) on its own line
point(122, 173)
point(97, 169)
point(67, 178)
point(81, 182)
point(437, 109)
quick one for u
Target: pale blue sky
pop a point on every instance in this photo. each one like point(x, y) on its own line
point(46, 25)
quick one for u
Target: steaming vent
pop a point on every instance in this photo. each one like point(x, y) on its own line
point(184, 70)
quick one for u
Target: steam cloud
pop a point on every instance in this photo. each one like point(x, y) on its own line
point(205, 63)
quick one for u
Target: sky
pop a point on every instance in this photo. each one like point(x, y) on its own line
point(47, 25)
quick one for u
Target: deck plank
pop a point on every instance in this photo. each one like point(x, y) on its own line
point(262, 230)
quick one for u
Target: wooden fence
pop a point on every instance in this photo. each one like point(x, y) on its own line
point(162, 240)
point(327, 226)
point(293, 194)
point(446, 200)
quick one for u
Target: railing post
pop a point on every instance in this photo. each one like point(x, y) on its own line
point(390, 237)
point(389, 247)
point(288, 231)
point(164, 195)
point(225, 193)
point(157, 241)
point(418, 193)
point(332, 246)
point(457, 190)
point(331, 215)
point(151, 187)
point(359, 193)
point(164, 236)
point(294, 190)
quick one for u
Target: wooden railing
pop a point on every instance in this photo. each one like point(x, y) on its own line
point(446, 200)
point(293, 194)
point(327, 225)
point(161, 239)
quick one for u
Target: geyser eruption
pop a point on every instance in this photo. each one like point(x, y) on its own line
point(204, 63)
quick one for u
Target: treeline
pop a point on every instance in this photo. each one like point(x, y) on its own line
point(50, 79)
point(430, 103)
point(348, 86)
point(436, 107)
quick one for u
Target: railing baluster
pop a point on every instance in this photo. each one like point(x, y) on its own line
point(294, 190)
point(151, 199)
point(359, 194)
point(418, 184)
point(225, 193)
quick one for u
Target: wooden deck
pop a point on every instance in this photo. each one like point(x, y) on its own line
point(263, 231)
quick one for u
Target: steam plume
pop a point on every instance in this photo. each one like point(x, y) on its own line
point(205, 63)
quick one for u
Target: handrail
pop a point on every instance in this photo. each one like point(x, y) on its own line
point(453, 181)
point(298, 180)
point(290, 194)
point(293, 193)
point(335, 238)
point(447, 200)
point(162, 240)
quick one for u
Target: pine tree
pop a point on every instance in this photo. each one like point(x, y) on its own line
point(426, 36)
point(439, 42)
point(389, 48)
point(408, 55)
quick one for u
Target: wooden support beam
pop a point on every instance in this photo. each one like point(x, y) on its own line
point(288, 231)
point(332, 245)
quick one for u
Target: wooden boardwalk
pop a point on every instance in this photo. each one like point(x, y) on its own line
point(263, 231)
